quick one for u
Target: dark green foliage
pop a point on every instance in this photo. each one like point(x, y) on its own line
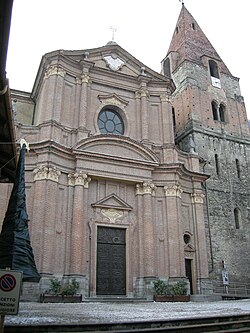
point(162, 288)
point(70, 288)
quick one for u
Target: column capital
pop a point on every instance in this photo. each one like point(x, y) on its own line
point(173, 190)
point(143, 92)
point(55, 70)
point(85, 78)
point(197, 197)
point(164, 98)
point(79, 178)
point(44, 172)
point(145, 188)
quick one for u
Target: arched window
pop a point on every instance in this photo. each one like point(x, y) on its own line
point(215, 110)
point(217, 165)
point(222, 113)
point(166, 68)
point(173, 116)
point(237, 167)
point(110, 122)
point(213, 69)
point(237, 218)
point(214, 73)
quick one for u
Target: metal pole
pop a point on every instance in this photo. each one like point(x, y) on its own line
point(2, 323)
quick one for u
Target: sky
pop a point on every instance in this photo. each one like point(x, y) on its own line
point(143, 28)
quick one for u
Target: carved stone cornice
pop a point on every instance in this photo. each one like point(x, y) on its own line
point(79, 178)
point(44, 172)
point(145, 188)
point(173, 190)
point(197, 197)
point(55, 70)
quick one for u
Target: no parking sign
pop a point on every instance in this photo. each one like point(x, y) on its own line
point(10, 286)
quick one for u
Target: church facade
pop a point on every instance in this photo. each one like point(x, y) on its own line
point(134, 175)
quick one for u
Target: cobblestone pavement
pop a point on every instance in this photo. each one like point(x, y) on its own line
point(111, 312)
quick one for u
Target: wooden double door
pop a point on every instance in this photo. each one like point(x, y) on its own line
point(111, 261)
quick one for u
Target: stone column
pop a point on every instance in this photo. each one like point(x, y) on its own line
point(200, 235)
point(173, 207)
point(78, 249)
point(146, 190)
point(49, 177)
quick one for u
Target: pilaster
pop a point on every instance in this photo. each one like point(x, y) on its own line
point(79, 244)
point(200, 235)
point(173, 207)
point(167, 122)
point(146, 190)
point(46, 183)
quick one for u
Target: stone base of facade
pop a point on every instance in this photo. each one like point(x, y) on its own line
point(30, 292)
point(144, 287)
point(204, 287)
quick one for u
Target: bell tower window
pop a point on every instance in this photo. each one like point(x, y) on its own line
point(237, 218)
point(222, 113)
point(166, 68)
point(214, 73)
point(215, 110)
point(219, 112)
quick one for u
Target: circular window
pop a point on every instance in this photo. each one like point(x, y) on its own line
point(110, 122)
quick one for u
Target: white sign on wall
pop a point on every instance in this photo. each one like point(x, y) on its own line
point(10, 287)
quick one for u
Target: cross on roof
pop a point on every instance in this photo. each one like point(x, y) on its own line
point(113, 29)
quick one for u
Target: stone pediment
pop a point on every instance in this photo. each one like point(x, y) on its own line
point(112, 202)
point(113, 146)
point(115, 59)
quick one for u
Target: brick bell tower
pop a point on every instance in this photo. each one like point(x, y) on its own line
point(210, 119)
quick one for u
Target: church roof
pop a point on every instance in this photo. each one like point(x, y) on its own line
point(191, 43)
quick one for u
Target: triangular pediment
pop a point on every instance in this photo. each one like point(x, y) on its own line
point(112, 201)
point(111, 57)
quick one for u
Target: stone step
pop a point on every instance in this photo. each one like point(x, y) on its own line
point(206, 298)
point(115, 299)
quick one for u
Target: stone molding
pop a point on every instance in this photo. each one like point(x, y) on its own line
point(44, 172)
point(173, 190)
point(79, 178)
point(113, 99)
point(55, 70)
point(112, 214)
point(197, 198)
point(145, 188)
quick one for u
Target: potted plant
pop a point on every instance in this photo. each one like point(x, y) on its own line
point(57, 293)
point(162, 291)
point(180, 291)
point(176, 292)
